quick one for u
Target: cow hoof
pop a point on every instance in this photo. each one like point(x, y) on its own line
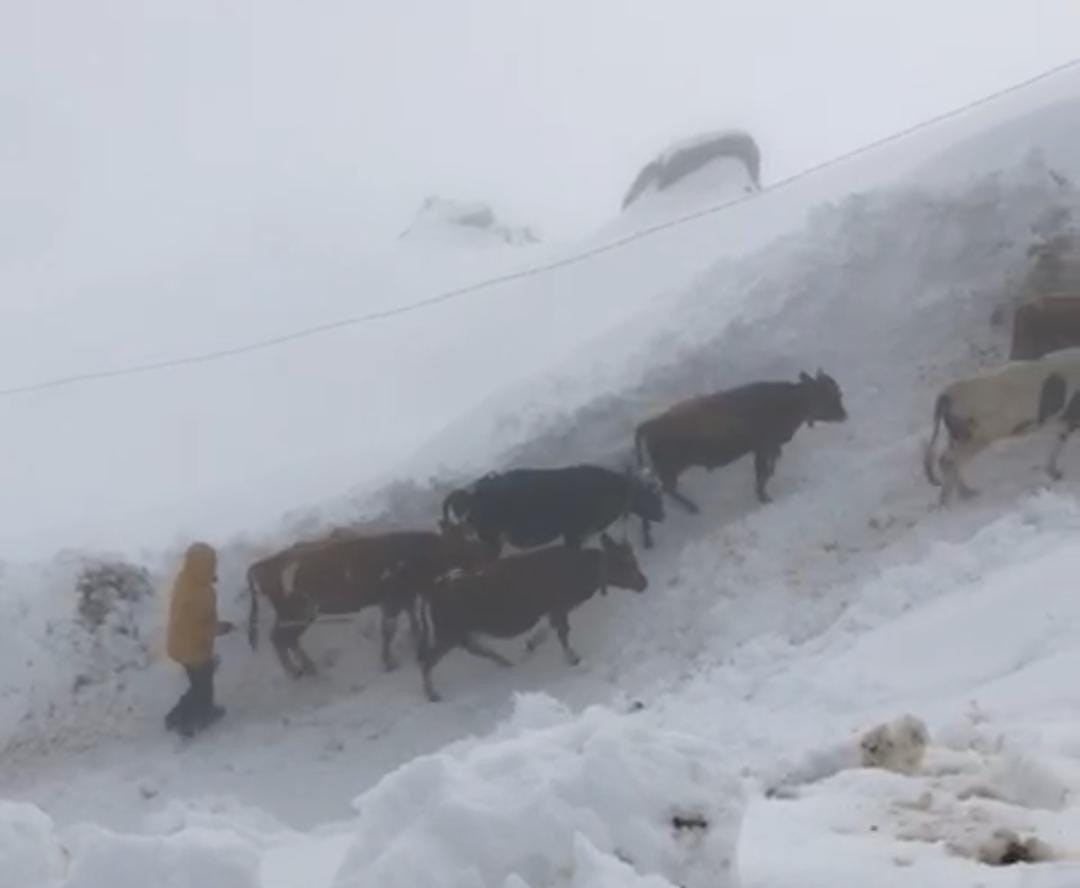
point(1055, 474)
point(389, 665)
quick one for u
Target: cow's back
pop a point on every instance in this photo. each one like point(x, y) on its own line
point(347, 575)
point(1007, 398)
point(534, 506)
point(513, 591)
point(731, 421)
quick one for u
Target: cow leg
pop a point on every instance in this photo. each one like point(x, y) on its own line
point(1070, 423)
point(307, 665)
point(475, 647)
point(951, 461)
point(283, 639)
point(672, 490)
point(537, 638)
point(389, 630)
point(427, 664)
point(764, 465)
point(646, 533)
point(561, 622)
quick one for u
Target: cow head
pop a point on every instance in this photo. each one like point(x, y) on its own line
point(461, 548)
point(621, 567)
point(456, 505)
point(824, 401)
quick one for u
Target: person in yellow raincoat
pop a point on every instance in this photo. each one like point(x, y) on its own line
point(193, 627)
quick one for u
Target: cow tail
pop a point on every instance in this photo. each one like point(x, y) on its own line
point(446, 507)
point(940, 409)
point(253, 614)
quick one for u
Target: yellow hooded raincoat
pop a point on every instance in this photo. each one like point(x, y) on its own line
point(193, 621)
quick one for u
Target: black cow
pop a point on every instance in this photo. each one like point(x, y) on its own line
point(508, 597)
point(532, 507)
point(715, 430)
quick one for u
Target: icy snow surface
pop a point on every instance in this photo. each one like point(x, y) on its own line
point(706, 737)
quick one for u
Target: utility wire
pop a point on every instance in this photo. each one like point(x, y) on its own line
point(564, 262)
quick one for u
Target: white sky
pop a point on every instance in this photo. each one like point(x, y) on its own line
point(171, 120)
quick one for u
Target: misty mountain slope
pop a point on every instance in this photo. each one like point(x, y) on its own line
point(891, 292)
point(766, 633)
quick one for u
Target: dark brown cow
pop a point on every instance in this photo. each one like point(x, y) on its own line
point(714, 430)
point(348, 574)
point(508, 597)
point(1045, 325)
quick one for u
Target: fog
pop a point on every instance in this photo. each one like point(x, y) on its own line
point(151, 127)
point(184, 176)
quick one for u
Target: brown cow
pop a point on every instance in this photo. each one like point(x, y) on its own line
point(1045, 325)
point(715, 430)
point(508, 597)
point(349, 573)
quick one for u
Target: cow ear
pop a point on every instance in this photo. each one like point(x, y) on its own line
point(805, 377)
point(820, 373)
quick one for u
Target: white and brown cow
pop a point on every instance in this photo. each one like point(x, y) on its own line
point(1012, 400)
point(349, 573)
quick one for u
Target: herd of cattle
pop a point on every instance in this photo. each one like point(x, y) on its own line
point(455, 585)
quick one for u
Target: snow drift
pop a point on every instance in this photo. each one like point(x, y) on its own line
point(543, 796)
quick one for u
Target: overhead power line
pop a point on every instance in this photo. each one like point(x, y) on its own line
point(532, 271)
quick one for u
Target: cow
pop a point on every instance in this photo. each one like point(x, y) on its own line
point(348, 573)
point(1045, 325)
point(507, 598)
point(714, 430)
point(1014, 399)
point(533, 507)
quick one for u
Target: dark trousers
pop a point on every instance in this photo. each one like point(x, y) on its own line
point(195, 708)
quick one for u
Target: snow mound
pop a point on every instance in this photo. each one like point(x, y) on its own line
point(30, 856)
point(727, 161)
point(444, 222)
point(551, 801)
point(188, 859)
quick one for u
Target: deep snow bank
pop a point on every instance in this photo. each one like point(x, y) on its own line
point(548, 795)
point(551, 800)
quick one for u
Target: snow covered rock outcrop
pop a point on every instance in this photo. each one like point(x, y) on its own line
point(464, 223)
point(553, 801)
point(728, 161)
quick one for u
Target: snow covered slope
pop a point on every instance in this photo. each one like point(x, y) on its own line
point(767, 634)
